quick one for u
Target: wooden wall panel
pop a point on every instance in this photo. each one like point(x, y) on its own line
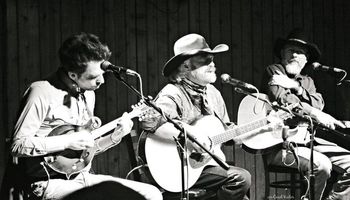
point(3, 89)
point(49, 35)
point(108, 162)
point(28, 43)
point(141, 33)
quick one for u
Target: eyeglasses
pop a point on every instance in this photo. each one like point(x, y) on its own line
point(201, 60)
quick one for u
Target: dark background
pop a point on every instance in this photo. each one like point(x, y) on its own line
point(141, 35)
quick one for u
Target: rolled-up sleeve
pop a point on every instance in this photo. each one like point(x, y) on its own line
point(168, 106)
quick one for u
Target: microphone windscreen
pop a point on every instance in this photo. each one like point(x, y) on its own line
point(105, 65)
point(225, 77)
point(316, 65)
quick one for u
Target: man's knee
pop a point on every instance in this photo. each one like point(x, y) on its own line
point(323, 169)
point(154, 193)
point(247, 178)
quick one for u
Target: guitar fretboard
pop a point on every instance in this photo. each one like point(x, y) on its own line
point(238, 131)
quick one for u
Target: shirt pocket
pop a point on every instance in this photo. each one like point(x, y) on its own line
point(61, 114)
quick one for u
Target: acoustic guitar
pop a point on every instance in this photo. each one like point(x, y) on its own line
point(251, 109)
point(70, 161)
point(163, 158)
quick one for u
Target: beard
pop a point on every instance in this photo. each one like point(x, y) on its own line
point(293, 68)
point(202, 76)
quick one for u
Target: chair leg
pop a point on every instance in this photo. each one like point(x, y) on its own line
point(267, 185)
point(293, 185)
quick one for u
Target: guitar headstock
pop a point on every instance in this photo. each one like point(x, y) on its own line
point(140, 110)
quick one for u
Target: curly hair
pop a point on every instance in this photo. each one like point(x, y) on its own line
point(77, 50)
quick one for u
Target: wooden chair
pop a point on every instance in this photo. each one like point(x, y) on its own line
point(293, 183)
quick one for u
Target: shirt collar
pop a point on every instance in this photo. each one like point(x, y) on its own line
point(68, 84)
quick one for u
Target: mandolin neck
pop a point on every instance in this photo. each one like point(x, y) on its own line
point(105, 128)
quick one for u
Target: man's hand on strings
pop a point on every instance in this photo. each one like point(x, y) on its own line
point(124, 127)
point(326, 119)
point(79, 140)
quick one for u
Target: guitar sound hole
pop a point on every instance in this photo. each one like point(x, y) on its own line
point(69, 153)
point(196, 156)
point(50, 159)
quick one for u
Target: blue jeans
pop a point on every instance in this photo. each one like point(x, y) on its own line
point(327, 157)
point(60, 188)
point(229, 184)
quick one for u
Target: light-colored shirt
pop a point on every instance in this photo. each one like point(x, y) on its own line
point(43, 108)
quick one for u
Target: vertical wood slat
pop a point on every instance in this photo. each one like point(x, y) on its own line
point(246, 69)
point(71, 18)
point(28, 33)
point(164, 49)
point(278, 32)
point(235, 55)
point(225, 32)
point(342, 23)
point(49, 36)
point(257, 54)
point(3, 110)
point(329, 50)
point(110, 16)
point(130, 43)
point(153, 70)
point(120, 93)
point(12, 65)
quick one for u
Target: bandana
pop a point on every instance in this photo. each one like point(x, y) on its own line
point(197, 95)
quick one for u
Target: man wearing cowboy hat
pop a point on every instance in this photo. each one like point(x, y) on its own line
point(286, 85)
point(190, 95)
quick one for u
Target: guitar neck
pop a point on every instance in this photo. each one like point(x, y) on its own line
point(238, 131)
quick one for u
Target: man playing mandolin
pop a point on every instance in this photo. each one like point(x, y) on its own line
point(67, 98)
point(188, 97)
point(287, 85)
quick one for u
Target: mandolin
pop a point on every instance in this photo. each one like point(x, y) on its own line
point(70, 161)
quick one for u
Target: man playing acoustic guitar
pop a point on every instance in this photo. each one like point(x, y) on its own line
point(188, 97)
point(286, 85)
point(67, 97)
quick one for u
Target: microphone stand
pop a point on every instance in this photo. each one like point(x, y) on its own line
point(149, 102)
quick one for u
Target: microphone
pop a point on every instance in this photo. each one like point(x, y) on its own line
point(318, 66)
point(228, 79)
point(106, 65)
